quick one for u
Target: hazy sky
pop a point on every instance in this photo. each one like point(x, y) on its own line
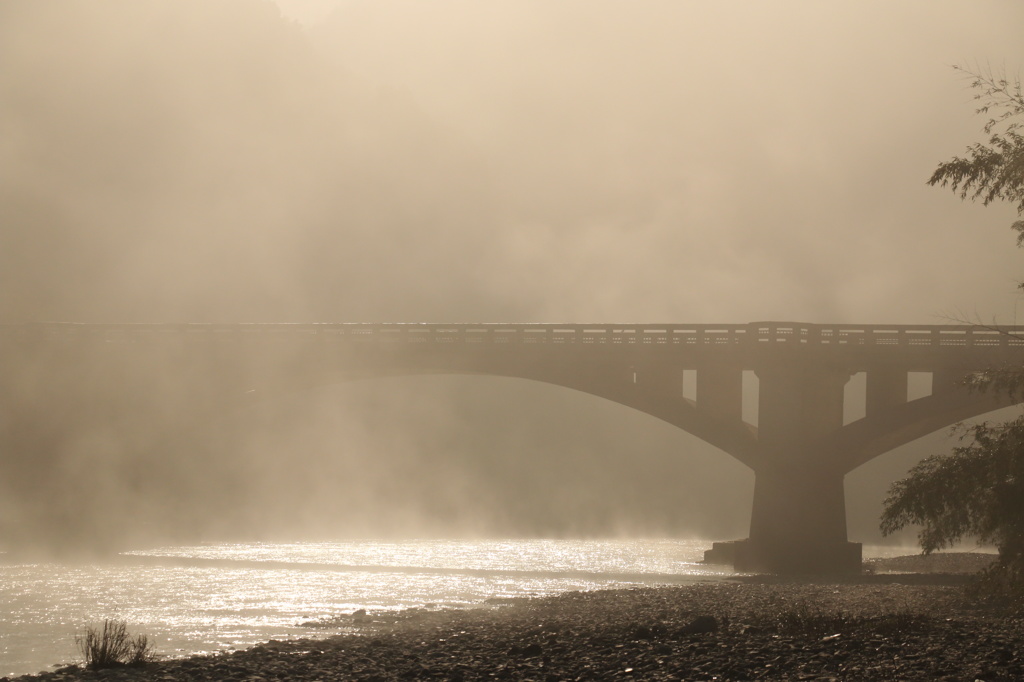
point(711, 161)
point(460, 160)
point(509, 160)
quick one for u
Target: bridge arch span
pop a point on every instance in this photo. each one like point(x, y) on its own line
point(861, 441)
point(617, 379)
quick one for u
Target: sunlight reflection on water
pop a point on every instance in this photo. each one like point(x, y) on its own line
point(226, 596)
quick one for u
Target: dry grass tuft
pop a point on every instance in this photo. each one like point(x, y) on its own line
point(111, 646)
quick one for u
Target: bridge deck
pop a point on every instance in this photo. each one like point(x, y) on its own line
point(767, 333)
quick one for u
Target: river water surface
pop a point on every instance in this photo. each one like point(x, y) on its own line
point(208, 598)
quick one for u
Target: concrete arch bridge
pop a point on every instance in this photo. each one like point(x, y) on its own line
point(691, 376)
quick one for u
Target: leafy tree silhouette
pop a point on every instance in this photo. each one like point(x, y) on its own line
point(978, 489)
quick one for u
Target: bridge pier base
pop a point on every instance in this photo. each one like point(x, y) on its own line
point(797, 525)
point(752, 557)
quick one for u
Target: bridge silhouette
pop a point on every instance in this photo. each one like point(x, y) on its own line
point(691, 376)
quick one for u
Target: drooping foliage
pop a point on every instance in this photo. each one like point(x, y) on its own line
point(992, 171)
point(1006, 380)
point(977, 491)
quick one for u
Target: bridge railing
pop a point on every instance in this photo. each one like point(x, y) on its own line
point(955, 336)
point(498, 334)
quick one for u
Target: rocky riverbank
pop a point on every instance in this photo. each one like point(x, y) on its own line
point(885, 625)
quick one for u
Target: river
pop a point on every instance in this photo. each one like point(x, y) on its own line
point(209, 598)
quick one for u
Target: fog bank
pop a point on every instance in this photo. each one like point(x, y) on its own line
point(393, 160)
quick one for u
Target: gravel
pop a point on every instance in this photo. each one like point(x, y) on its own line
point(888, 624)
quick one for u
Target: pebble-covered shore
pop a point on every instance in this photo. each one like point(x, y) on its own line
point(882, 626)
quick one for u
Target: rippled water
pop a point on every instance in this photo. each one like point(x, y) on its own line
point(210, 598)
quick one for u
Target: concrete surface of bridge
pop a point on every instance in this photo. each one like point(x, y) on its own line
point(691, 376)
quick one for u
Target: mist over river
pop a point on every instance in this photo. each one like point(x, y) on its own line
point(210, 598)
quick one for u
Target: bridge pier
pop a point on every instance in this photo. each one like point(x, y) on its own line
point(798, 518)
point(797, 525)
